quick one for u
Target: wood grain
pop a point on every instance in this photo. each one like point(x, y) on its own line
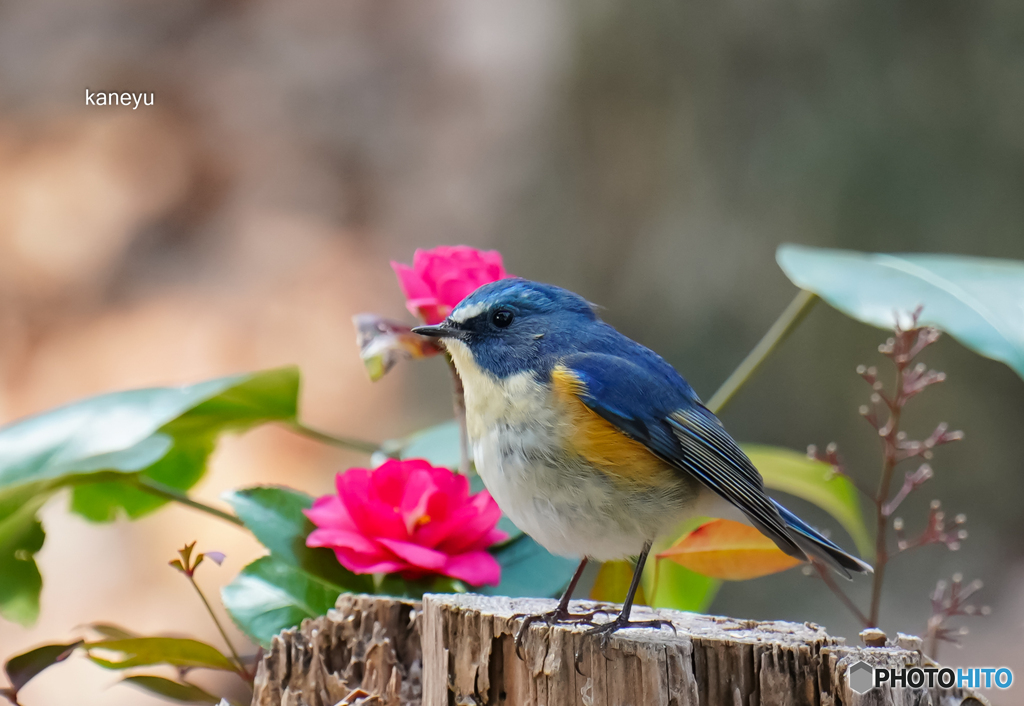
point(369, 652)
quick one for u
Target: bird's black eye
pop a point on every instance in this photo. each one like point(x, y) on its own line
point(502, 318)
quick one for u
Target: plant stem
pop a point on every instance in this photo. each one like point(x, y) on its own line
point(889, 462)
point(243, 672)
point(459, 399)
point(823, 572)
point(783, 326)
point(340, 442)
point(153, 487)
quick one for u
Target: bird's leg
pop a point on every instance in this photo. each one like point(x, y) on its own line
point(560, 614)
point(622, 621)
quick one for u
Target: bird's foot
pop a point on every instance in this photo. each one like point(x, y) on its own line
point(605, 631)
point(558, 616)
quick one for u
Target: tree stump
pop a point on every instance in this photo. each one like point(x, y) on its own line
point(369, 652)
point(365, 652)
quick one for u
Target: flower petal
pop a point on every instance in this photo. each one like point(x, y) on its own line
point(419, 490)
point(388, 481)
point(442, 277)
point(359, 563)
point(335, 538)
point(475, 568)
point(453, 287)
point(454, 485)
point(371, 516)
point(483, 517)
point(329, 511)
point(492, 258)
point(493, 537)
point(411, 282)
point(416, 555)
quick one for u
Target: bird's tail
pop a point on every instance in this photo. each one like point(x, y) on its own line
point(815, 545)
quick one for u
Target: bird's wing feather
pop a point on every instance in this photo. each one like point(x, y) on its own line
point(663, 414)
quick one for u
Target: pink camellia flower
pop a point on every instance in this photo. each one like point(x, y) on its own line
point(412, 518)
point(441, 278)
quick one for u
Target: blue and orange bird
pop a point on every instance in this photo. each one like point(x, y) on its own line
point(594, 445)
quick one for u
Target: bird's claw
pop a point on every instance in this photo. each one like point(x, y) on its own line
point(604, 633)
point(559, 616)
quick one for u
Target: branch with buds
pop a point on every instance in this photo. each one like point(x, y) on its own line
point(832, 458)
point(950, 602)
point(187, 563)
point(884, 413)
point(935, 532)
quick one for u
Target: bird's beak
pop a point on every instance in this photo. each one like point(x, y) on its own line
point(442, 330)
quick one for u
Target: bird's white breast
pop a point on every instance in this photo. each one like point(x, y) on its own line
point(519, 447)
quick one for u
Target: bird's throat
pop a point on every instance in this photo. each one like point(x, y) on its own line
point(492, 401)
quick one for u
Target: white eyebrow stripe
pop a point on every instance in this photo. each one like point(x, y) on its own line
point(463, 314)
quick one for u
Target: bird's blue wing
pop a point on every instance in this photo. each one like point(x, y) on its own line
point(659, 409)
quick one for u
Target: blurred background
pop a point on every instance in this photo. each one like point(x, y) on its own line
point(649, 155)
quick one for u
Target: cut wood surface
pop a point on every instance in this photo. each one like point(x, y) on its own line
point(369, 652)
point(365, 652)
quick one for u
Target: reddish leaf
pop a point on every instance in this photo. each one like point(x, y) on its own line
point(728, 550)
point(21, 668)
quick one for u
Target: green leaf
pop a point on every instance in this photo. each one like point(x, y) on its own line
point(274, 515)
point(438, 444)
point(269, 596)
point(237, 403)
point(22, 668)
point(21, 536)
point(528, 569)
point(682, 589)
point(129, 432)
point(397, 587)
point(115, 632)
point(100, 445)
point(182, 467)
point(814, 481)
point(175, 651)
point(175, 691)
point(975, 300)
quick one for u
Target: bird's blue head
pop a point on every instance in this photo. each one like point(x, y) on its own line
point(514, 325)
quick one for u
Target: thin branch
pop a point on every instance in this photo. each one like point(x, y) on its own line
point(947, 605)
point(366, 447)
point(242, 671)
point(936, 531)
point(783, 326)
point(832, 458)
point(166, 492)
point(911, 482)
point(823, 572)
point(888, 433)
